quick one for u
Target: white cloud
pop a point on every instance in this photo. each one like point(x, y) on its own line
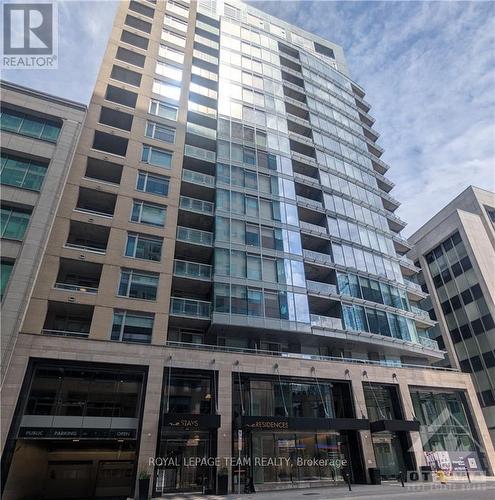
point(428, 70)
point(83, 31)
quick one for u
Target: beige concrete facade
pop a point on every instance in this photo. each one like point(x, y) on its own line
point(469, 214)
point(28, 253)
point(157, 359)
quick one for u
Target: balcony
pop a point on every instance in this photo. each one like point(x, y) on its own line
point(68, 320)
point(78, 276)
point(428, 343)
point(190, 308)
point(314, 228)
point(96, 202)
point(412, 285)
point(310, 203)
point(317, 257)
point(88, 237)
point(199, 153)
point(195, 205)
point(326, 322)
point(198, 178)
point(192, 270)
point(194, 236)
point(420, 312)
point(103, 171)
point(320, 288)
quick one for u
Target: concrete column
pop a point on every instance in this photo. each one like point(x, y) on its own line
point(364, 436)
point(407, 408)
point(224, 435)
point(481, 428)
point(151, 416)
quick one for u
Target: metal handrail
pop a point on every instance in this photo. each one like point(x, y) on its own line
point(315, 357)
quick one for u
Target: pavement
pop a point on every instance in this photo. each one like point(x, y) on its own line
point(455, 490)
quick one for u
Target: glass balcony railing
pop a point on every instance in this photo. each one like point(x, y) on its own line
point(195, 236)
point(313, 227)
point(407, 261)
point(195, 205)
point(326, 322)
point(323, 258)
point(428, 343)
point(321, 288)
point(198, 178)
point(420, 312)
point(199, 153)
point(190, 308)
point(412, 285)
point(310, 202)
point(192, 269)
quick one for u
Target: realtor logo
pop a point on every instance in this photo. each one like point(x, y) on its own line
point(29, 38)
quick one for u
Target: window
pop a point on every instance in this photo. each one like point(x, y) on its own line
point(137, 23)
point(173, 22)
point(151, 183)
point(121, 96)
point(32, 126)
point(172, 54)
point(115, 118)
point(138, 284)
point(126, 76)
point(131, 57)
point(14, 222)
point(130, 326)
point(110, 143)
point(166, 90)
point(155, 156)
point(254, 267)
point(164, 110)
point(141, 246)
point(272, 309)
point(21, 172)
point(5, 271)
point(133, 39)
point(169, 71)
point(160, 132)
point(141, 9)
point(177, 8)
point(148, 213)
point(174, 38)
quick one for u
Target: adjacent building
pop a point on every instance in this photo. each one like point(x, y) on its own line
point(39, 134)
point(226, 277)
point(456, 252)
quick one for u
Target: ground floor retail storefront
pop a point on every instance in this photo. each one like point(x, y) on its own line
point(198, 421)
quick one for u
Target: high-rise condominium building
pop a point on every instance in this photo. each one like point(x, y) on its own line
point(456, 252)
point(226, 277)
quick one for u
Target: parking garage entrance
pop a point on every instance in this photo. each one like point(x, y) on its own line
point(75, 433)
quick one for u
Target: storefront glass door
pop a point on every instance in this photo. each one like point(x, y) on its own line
point(181, 452)
point(388, 454)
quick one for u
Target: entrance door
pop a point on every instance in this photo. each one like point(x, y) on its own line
point(68, 479)
point(181, 450)
point(388, 454)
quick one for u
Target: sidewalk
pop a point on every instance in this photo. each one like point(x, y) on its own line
point(454, 490)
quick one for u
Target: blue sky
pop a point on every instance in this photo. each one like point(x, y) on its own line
point(428, 69)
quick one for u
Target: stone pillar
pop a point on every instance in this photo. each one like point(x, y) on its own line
point(364, 436)
point(224, 435)
point(408, 410)
point(150, 420)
